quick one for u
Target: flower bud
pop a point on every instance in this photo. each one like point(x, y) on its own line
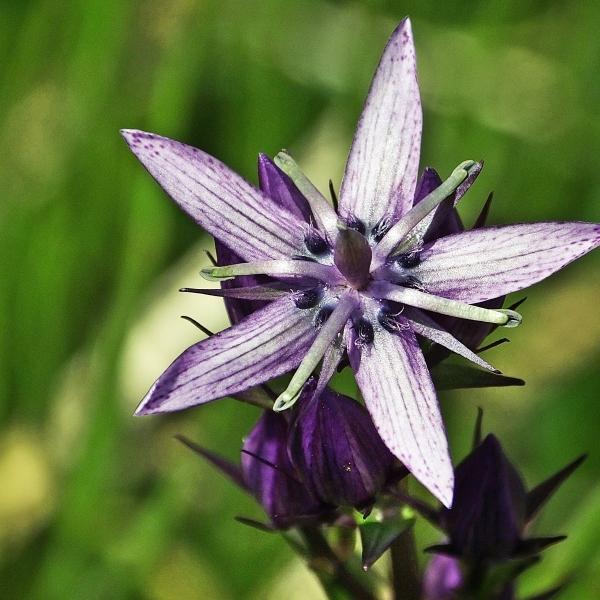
point(488, 515)
point(271, 478)
point(337, 450)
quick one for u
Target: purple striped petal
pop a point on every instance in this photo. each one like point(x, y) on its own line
point(395, 383)
point(381, 172)
point(486, 263)
point(218, 199)
point(281, 189)
point(263, 346)
point(236, 309)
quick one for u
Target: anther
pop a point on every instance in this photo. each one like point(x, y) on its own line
point(356, 224)
point(380, 229)
point(412, 282)
point(408, 260)
point(315, 243)
point(364, 331)
point(323, 315)
point(308, 298)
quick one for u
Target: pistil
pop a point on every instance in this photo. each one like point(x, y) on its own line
point(352, 256)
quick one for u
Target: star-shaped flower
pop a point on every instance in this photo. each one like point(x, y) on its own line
point(365, 278)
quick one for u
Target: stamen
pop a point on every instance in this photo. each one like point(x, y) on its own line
point(328, 333)
point(416, 214)
point(444, 306)
point(274, 268)
point(308, 298)
point(321, 209)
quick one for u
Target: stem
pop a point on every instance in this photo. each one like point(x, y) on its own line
point(331, 571)
point(405, 575)
point(405, 567)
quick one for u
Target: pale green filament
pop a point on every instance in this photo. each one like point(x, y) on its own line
point(445, 306)
point(271, 267)
point(326, 336)
point(321, 209)
point(416, 214)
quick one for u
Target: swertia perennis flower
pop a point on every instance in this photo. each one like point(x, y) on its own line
point(364, 279)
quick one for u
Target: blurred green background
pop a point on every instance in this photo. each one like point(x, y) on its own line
point(97, 504)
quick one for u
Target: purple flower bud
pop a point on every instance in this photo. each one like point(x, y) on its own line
point(488, 515)
point(442, 578)
point(337, 450)
point(270, 476)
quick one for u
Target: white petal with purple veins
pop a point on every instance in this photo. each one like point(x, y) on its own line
point(218, 199)
point(263, 346)
point(395, 383)
point(486, 263)
point(381, 172)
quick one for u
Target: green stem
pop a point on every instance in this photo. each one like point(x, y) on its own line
point(406, 581)
point(333, 574)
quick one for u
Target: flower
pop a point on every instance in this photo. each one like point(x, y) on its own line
point(365, 278)
point(336, 449)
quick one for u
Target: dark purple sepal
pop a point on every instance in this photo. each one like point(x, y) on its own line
point(377, 537)
point(265, 527)
point(270, 476)
point(533, 546)
point(228, 468)
point(236, 308)
point(488, 514)
point(281, 189)
point(337, 450)
point(540, 494)
point(455, 376)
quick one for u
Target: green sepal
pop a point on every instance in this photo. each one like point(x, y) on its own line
point(377, 537)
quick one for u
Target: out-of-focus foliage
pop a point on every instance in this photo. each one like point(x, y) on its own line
point(97, 504)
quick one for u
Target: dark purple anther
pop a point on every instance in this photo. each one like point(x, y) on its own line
point(352, 257)
point(308, 298)
point(315, 243)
